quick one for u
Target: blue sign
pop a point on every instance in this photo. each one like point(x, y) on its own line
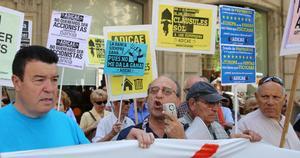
point(122, 58)
point(237, 25)
point(238, 64)
point(237, 45)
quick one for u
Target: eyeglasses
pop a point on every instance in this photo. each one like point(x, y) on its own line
point(101, 102)
point(270, 78)
point(165, 90)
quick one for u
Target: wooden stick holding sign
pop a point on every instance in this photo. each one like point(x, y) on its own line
point(182, 74)
point(135, 112)
point(290, 103)
point(236, 107)
point(121, 100)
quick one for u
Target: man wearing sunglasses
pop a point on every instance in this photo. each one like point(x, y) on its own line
point(203, 100)
point(267, 120)
point(109, 127)
point(161, 124)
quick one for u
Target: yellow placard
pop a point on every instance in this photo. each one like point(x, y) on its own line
point(136, 85)
point(96, 56)
point(185, 28)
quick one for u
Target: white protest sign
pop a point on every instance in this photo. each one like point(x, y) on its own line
point(291, 38)
point(68, 35)
point(26, 34)
point(11, 22)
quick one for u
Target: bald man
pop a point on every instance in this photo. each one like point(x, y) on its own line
point(183, 108)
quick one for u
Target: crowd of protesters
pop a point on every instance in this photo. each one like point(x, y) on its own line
point(53, 123)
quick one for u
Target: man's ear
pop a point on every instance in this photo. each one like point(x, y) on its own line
point(178, 101)
point(191, 104)
point(16, 82)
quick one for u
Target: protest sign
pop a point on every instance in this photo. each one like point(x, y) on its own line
point(134, 86)
point(70, 25)
point(238, 64)
point(184, 27)
point(96, 51)
point(26, 33)
point(124, 58)
point(70, 52)
point(237, 45)
point(291, 38)
point(291, 45)
point(68, 36)
point(11, 22)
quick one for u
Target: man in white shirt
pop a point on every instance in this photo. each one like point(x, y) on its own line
point(268, 120)
point(109, 127)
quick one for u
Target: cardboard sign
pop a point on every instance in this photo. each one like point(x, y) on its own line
point(237, 26)
point(96, 51)
point(238, 64)
point(291, 38)
point(69, 52)
point(237, 45)
point(123, 58)
point(68, 36)
point(26, 34)
point(134, 86)
point(184, 26)
point(11, 23)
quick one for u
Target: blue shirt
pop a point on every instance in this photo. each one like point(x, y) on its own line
point(142, 114)
point(20, 132)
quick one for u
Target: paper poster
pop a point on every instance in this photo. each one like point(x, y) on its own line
point(70, 52)
point(68, 37)
point(237, 45)
point(184, 26)
point(237, 26)
point(291, 38)
point(26, 33)
point(96, 51)
point(238, 64)
point(11, 23)
point(135, 86)
point(70, 25)
point(124, 58)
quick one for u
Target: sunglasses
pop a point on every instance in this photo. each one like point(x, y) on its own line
point(101, 102)
point(165, 90)
point(270, 78)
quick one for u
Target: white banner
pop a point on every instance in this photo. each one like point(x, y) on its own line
point(167, 148)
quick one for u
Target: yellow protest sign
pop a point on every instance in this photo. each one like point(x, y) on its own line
point(184, 26)
point(96, 56)
point(134, 86)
